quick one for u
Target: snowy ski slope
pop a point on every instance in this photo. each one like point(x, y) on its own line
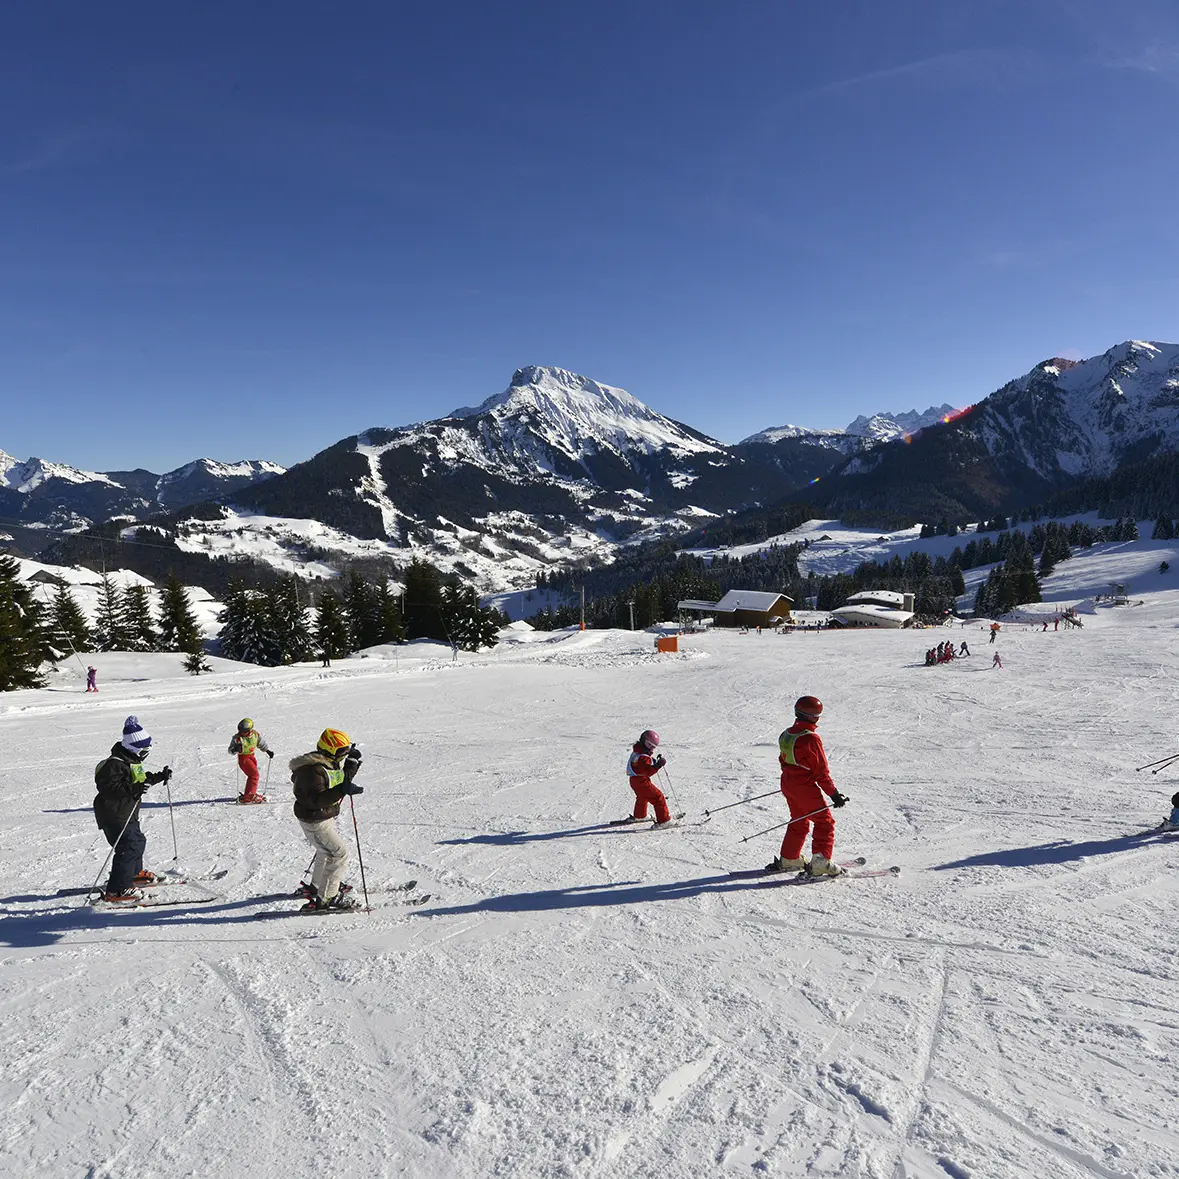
point(578, 1000)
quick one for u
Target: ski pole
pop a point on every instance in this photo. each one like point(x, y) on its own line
point(670, 792)
point(172, 816)
point(1160, 761)
point(266, 784)
point(786, 824)
point(94, 886)
point(1166, 765)
point(717, 810)
point(359, 855)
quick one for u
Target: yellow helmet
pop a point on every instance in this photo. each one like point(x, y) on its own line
point(332, 741)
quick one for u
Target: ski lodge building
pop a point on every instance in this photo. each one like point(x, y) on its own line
point(744, 608)
point(884, 608)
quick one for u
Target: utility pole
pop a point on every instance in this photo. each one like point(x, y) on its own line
point(631, 604)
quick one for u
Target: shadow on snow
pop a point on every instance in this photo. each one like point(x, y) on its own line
point(1060, 851)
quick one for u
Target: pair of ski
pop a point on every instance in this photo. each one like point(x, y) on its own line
point(852, 869)
point(1163, 829)
point(334, 911)
point(152, 902)
point(647, 824)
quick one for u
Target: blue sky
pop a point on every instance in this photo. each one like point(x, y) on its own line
point(250, 229)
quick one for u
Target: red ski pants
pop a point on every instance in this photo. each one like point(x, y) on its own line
point(802, 800)
point(248, 764)
point(647, 792)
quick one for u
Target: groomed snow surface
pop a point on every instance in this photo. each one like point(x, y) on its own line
point(580, 1000)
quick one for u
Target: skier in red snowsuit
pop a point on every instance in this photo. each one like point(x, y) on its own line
point(641, 767)
point(807, 784)
point(246, 742)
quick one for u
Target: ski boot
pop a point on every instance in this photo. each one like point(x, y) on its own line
point(821, 866)
point(145, 878)
point(127, 897)
point(309, 892)
point(777, 864)
point(250, 799)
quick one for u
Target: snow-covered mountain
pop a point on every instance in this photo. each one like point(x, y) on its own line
point(49, 495)
point(27, 475)
point(1064, 420)
point(1068, 418)
point(207, 479)
point(861, 433)
point(554, 470)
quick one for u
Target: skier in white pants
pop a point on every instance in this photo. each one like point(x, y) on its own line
point(322, 779)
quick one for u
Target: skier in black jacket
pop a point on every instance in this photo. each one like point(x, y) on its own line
point(122, 781)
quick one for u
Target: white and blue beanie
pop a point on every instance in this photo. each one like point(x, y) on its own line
point(136, 739)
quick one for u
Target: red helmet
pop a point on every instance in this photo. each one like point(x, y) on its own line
point(808, 708)
point(649, 739)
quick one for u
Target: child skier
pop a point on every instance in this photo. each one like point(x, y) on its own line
point(641, 767)
point(997, 662)
point(1171, 823)
point(322, 779)
point(806, 777)
point(245, 742)
point(92, 679)
point(121, 781)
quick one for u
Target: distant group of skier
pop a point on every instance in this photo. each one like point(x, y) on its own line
point(320, 779)
point(945, 653)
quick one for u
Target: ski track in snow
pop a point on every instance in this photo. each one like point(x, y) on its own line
point(580, 1000)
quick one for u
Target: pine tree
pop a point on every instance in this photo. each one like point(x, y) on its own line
point(289, 620)
point(140, 629)
point(423, 602)
point(248, 632)
point(362, 610)
point(24, 642)
point(1164, 529)
point(392, 626)
point(195, 663)
point(179, 629)
point(331, 627)
point(68, 623)
point(470, 625)
point(110, 628)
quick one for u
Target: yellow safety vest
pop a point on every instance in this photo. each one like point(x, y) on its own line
point(138, 773)
point(786, 745)
point(249, 742)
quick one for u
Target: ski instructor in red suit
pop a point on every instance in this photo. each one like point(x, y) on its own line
point(807, 784)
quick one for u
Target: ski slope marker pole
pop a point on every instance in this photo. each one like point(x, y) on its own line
point(717, 810)
point(359, 855)
point(1160, 761)
point(798, 819)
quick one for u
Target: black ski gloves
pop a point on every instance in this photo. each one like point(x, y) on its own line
point(352, 788)
point(660, 762)
point(167, 774)
point(270, 754)
point(838, 799)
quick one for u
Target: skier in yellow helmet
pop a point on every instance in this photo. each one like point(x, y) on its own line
point(322, 779)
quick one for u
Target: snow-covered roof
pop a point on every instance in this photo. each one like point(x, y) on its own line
point(889, 598)
point(736, 600)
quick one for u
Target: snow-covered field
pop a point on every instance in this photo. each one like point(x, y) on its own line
point(578, 1000)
